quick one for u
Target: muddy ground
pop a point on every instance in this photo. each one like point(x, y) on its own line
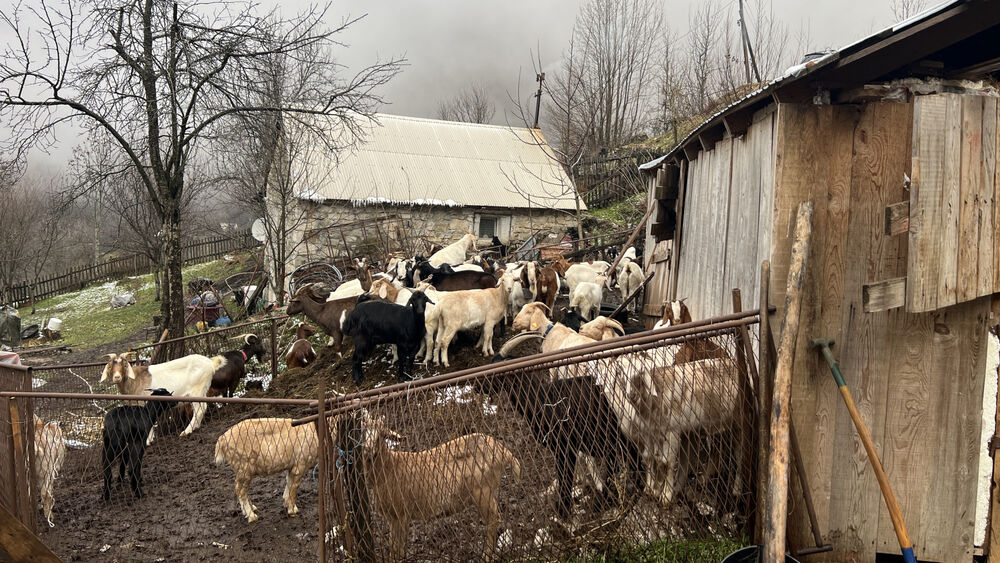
point(190, 513)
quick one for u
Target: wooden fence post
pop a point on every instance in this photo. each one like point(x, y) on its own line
point(322, 439)
point(17, 449)
point(764, 386)
point(777, 490)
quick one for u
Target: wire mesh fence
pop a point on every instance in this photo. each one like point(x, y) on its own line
point(641, 442)
point(632, 446)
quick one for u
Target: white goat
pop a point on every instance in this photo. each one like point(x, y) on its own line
point(258, 447)
point(50, 453)
point(441, 481)
point(587, 296)
point(630, 278)
point(190, 376)
point(584, 272)
point(466, 310)
point(455, 252)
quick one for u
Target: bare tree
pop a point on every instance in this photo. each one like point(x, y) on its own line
point(158, 78)
point(902, 9)
point(471, 105)
point(30, 232)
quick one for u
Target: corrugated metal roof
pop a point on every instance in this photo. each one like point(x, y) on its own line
point(408, 160)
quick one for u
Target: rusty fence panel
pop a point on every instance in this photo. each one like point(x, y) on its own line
point(109, 496)
point(619, 453)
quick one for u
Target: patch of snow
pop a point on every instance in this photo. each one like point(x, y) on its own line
point(36, 382)
point(488, 408)
point(375, 200)
point(75, 443)
point(460, 395)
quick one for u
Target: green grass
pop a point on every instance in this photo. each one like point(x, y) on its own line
point(89, 320)
point(666, 551)
point(624, 214)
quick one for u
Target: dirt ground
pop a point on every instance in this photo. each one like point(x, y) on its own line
point(190, 513)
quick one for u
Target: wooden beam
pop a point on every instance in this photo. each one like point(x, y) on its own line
point(897, 218)
point(977, 70)
point(710, 136)
point(738, 122)
point(883, 295)
point(18, 541)
point(691, 150)
point(776, 519)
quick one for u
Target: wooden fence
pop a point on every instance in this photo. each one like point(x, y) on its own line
point(607, 181)
point(78, 278)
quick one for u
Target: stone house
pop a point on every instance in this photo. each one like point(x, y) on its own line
point(413, 182)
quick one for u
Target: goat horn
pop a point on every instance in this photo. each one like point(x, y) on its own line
point(513, 342)
point(110, 356)
point(616, 325)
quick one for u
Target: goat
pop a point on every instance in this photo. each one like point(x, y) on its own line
point(357, 286)
point(460, 281)
point(586, 297)
point(547, 281)
point(376, 322)
point(189, 376)
point(301, 353)
point(227, 378)
point(328, 315)
point(50, 453)
point(423, 270)
point(465, 310)
point(585, 272)
point(692, 349)
point(259, 447)
point(571, 417)
point(455, 252)
point(560, 265)
point(630, 278)
point(124, 439)
point(441, 481)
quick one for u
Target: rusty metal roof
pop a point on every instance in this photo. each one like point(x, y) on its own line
point(414, 161)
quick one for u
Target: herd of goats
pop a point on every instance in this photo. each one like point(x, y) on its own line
point(622, 409)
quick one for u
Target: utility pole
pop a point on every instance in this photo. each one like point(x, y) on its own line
point(743, 41)
point(540, 77)
point(747, 47)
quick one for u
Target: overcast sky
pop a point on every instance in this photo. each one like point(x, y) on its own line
point(450, 44)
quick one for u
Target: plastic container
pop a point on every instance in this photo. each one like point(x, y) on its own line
point(54, 324)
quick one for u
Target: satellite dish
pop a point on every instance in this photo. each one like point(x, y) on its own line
point(258, 231)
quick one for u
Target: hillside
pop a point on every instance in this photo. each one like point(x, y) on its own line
point(89, 321)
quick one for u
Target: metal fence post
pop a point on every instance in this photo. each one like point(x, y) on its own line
point(274, 348)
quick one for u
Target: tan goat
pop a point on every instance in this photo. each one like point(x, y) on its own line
point(50, 453)
point(441, 481)
point(259, 447)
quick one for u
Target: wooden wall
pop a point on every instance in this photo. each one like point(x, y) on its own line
point(726, 223)
point(917, 378)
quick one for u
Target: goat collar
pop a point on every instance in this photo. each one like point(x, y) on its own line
point(547, 329)
point(244, 355)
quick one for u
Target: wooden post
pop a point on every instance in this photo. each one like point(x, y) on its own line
point(322, 438)
point(274, 348)
point(764, 388)
point(17, 449)
point(748, 376)
point(777, 490)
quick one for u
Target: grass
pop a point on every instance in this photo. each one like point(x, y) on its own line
point(624, 214)
point(667, 551)
point(89, 320)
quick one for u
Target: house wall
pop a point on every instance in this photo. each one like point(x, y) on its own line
point(435, 224)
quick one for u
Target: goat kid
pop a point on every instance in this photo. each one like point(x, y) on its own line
point(124, 440)
point(301, 353)
point(227, 378)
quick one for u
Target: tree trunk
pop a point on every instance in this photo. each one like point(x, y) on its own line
point(174, 264)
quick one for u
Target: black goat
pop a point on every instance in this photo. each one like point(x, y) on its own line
point(570, 417)
point(458, 281)
point(228, 377)
point(375, 322)
point(124, 437)
point(422, 269)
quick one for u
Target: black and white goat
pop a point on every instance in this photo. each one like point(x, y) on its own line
point(124, 437)
point(379, 322)
point(228, 376)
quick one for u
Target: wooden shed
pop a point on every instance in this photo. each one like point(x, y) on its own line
point(894, 140)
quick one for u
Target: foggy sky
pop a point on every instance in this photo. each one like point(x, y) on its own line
point(450, 44)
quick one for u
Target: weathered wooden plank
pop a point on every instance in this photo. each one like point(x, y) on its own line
point(718, 300)
point(967, 279)
point(988, 202)
point(925, 203)
point(742, 263)
point(951, 201)
point(764, 151)
point(20, 543)
point(883, 295)
point(897, 218)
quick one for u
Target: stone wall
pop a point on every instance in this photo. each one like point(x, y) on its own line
point(433, 224)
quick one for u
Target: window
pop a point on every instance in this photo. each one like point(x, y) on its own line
point(488, 226)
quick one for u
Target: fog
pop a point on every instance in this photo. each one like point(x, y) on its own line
point(451, 44)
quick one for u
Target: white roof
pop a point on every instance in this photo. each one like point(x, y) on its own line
point(408, 160)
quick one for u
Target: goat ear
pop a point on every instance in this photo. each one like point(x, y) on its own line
point(130, 372)
point(383, 292)
point(104, 374)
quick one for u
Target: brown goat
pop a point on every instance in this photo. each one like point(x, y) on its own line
point(329, 315)
point(301, 353)
point(441, 481)
point(548, 286)
point(677, 312)
point(560, 265)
